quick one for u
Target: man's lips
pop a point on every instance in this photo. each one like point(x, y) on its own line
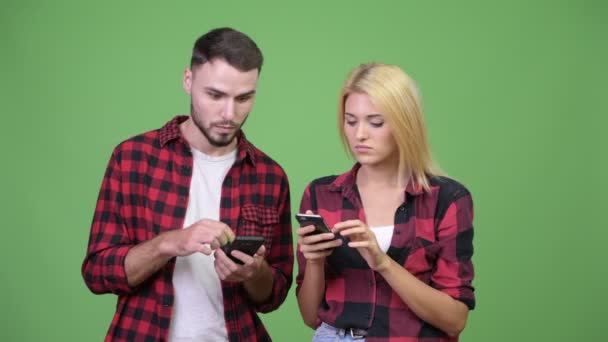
point(225, 128)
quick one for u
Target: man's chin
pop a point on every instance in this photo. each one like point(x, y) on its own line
point(222, 141)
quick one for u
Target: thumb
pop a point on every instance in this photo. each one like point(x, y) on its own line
point(261, 251)
point(309, 212)
point(206, 249)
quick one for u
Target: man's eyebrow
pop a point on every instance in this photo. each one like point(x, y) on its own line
point(215, 90)
point(249, 93)
point(219, 92)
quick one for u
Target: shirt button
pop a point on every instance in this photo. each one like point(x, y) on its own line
point(182, 199)
point(402, 208)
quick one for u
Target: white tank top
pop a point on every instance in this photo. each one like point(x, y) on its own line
point(384, 234)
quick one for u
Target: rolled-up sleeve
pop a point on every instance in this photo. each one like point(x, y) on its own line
point(103, 268)
point(454, 272)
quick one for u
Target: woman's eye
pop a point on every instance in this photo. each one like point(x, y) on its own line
point(351, 123)
point(377, 124)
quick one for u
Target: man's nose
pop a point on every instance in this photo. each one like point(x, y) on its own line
point(228, 111)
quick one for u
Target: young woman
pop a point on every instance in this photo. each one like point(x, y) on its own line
point(397, 265)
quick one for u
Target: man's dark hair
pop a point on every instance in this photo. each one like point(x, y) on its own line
point(234, 47)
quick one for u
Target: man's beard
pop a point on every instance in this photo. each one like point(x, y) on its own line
point(223, 139)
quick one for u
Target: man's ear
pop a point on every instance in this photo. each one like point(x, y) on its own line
point(187, 82)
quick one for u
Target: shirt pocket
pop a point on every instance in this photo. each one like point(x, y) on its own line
point(258, 220)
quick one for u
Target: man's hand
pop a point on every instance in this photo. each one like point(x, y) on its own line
point(228, 270)
point(203, 236)
point(148, 257)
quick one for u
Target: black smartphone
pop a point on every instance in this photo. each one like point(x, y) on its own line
point(246, 244)
point(314, 220)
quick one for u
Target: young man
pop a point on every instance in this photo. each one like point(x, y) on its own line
point(171, 197)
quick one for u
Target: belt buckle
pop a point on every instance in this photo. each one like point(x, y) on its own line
point(356, 335)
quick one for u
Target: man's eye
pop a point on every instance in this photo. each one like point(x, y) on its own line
point(243, 99)
point(214, 96)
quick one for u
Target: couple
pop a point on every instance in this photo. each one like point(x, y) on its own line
point(396, 264)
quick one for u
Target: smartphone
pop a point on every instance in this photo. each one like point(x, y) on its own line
point(246, 244)
point(314, 220)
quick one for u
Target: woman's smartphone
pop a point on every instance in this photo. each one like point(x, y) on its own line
point(246, 244)
point(313, 220)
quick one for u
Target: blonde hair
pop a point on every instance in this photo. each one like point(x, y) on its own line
point(395, 94)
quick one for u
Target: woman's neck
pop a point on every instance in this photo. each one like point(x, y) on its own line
point(385, 175)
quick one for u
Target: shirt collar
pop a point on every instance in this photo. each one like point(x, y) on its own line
point(170, 132)
point(347, 183)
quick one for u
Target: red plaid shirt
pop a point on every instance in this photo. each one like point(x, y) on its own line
point(145, 192)
point(432, 239)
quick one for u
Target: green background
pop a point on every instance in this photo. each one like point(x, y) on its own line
point(515, 99)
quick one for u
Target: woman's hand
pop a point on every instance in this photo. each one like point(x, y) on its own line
point(364, 240)
point(317, 247)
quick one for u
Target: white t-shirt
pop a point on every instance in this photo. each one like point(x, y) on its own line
point(384, 234)
point(198, 309)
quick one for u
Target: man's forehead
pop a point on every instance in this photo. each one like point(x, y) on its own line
point(220, 67)
point(225, 78)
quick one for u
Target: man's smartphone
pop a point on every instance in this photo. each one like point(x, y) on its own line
point(314, 220)
point(246, 244)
